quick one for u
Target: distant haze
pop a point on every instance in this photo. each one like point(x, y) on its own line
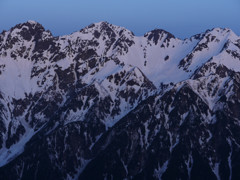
point(182, 18)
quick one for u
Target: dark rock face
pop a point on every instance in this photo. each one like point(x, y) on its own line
point(81, 110)
point(159, 34)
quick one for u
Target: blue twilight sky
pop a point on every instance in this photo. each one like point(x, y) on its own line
point(183, 18)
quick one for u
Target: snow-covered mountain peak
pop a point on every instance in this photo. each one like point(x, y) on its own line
point(211, 43)
point(21, 36)
point(30, 26)
point(105, 29)
point(219, 33)
point(157, 35)
point(32, 22)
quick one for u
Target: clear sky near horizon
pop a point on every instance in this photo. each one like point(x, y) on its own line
point(183, 18)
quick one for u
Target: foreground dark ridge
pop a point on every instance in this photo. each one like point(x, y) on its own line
point(102, 103)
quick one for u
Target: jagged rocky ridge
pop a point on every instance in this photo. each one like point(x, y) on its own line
point(103, 103)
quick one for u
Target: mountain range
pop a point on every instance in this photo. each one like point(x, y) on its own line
point(102, 103)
